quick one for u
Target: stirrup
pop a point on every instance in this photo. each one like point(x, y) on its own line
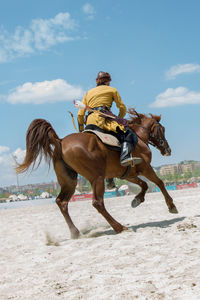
point(127, 162)
point(136, 161)
point(131, 161)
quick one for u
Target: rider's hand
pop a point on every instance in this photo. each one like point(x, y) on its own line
point(81, 128)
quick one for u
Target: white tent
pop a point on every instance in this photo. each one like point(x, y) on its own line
point(22, 197)
point(13, 197)
point(123, 187)
point(44, 195)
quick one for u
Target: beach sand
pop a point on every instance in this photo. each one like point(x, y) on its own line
point(157, 258)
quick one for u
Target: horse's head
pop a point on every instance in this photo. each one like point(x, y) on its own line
point(157, 136)
point(150, 130)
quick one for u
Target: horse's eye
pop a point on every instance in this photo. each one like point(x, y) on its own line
point(162, 143)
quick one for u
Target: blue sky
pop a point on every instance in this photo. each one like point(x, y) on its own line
point(51, 52)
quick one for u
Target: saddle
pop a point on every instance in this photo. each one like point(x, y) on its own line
point(107, 138)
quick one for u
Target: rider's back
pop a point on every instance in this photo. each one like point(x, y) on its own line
point(104, 95)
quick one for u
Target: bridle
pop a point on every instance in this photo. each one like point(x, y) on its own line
point(158, 141)
point(154, 140)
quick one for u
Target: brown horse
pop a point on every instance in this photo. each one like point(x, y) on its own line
point(84, 154)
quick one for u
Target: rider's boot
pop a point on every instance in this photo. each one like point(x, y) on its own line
point(110, 183)
point(126, 158)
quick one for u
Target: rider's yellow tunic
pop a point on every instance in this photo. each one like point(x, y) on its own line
point(102, 95)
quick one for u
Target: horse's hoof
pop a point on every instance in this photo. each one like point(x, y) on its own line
point(173, 210)
point(75, 234)
point(125, 228)
point(120, 229)
point(135, 202)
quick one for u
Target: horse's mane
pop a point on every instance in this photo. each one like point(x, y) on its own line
point(135, 117)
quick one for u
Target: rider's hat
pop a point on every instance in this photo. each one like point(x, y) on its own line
point(103, 77)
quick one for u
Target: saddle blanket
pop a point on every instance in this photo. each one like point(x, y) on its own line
point(106, 138)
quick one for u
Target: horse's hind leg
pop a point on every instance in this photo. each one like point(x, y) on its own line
point(62, 201)
point(139, 198)
point(68, 182)
point(151, 175)
point(98, 203)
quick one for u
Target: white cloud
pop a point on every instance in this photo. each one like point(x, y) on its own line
point(44, 92)
point(176, 97)
point(19, 155)
point(182, 69)
point(7, 164)
point(9, 177)
point(49, 32)
point(89, 10)
point(4, 149)
point(39, 36)
point(8, 159)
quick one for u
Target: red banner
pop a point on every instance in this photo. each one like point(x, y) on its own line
point(186, 186)
point(81, 197)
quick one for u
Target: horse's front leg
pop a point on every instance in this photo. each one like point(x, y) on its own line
point(151, 175)
point(139, 198)
point(98, 202)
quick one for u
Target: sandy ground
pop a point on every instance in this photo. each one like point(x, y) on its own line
point(157, 258)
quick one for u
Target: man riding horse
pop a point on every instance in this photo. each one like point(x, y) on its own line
point(85, 154)
point(100, 100)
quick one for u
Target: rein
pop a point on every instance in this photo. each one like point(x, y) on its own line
point(152, 136)
point(158, 139)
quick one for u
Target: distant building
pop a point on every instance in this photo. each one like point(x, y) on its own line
point(187, 168)
point(30, 187)
point(181, 168)
point(2, 190)
point(170, 169)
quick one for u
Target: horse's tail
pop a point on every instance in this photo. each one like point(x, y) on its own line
point(41, 140)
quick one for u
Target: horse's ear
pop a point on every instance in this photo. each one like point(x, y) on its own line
point(157, 118)
point(141, 115)
point(132, 111)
